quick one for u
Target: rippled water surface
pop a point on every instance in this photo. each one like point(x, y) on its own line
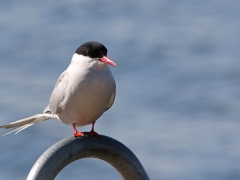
point(178, 83)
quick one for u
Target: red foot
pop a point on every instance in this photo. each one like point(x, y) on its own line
point(82, 134)
point(78, 134)
point(91, 133)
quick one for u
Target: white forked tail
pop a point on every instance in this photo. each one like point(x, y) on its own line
point(26, 122)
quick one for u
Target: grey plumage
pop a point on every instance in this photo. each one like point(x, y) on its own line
point(83, 92)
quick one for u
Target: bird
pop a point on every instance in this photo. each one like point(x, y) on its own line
point(83, 92)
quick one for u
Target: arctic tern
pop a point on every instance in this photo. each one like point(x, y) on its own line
point(83, 92)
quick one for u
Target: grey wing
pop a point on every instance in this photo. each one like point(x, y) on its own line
point(58, 93)
point(111, 101)
point(112, 98)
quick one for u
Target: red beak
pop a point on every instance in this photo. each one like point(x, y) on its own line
point(106, 60)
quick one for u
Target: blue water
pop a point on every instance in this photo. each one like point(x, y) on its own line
point(178, 83)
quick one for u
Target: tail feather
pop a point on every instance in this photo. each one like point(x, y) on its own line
point(26, 122)
point(18, 129)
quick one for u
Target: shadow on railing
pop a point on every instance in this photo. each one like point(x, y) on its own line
point(52, 161)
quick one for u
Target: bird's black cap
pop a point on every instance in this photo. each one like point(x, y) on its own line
point(92, 49)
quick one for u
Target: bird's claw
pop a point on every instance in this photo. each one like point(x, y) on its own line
point(91, 133)
point(79, 134)
point(86, 134)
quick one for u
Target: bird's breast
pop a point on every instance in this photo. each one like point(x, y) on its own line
point(86, 96)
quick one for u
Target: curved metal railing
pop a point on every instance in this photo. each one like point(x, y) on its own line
point(52, 161)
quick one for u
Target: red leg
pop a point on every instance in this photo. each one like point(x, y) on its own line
point(82, 134)
point(92, 132)
point(76, 133)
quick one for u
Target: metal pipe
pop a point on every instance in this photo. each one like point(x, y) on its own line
point(53, 160)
